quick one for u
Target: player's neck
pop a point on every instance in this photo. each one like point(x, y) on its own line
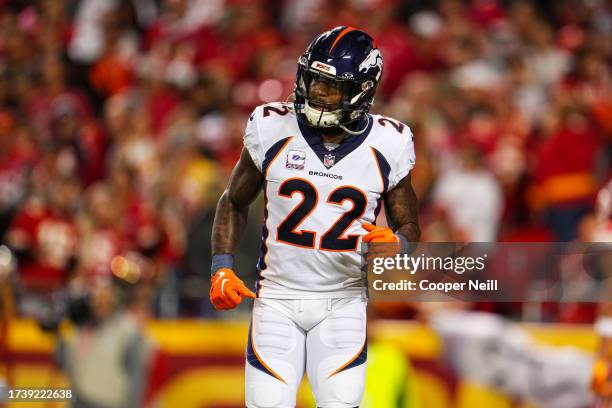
point(332, 135)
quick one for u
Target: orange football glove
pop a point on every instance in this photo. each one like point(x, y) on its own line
point(227, 290)
point(379, 234)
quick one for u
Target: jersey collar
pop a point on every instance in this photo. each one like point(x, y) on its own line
point(352, 142)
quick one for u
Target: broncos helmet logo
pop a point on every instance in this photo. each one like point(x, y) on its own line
point(374, 59)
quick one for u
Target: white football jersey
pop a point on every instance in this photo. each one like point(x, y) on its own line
point(316, 200)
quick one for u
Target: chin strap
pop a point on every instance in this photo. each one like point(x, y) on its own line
point(290, 101)
point(351, 132)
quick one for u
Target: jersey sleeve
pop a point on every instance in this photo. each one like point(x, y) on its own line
point(404, 162)
point(252, 139)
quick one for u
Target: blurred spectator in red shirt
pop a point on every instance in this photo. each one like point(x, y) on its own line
point(100, 239)
point(564, 181)
point(45, 237)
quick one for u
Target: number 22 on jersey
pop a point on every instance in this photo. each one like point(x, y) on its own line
point(332, 240)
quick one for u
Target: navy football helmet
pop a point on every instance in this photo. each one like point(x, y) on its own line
point(347, 60)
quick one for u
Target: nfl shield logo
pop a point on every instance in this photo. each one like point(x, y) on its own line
point(329, 160)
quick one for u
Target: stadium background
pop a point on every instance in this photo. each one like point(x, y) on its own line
point(121, 120)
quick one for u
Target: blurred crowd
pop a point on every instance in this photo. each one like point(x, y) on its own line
point(121, 120)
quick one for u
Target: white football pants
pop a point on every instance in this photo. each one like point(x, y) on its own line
point(324, 337)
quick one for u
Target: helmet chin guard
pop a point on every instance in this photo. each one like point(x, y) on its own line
point(321, 118)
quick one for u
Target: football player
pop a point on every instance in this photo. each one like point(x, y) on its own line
point(326, 166)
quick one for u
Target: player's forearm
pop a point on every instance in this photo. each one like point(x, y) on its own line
point(232, 209)
point(229, 225)
point(402, 208)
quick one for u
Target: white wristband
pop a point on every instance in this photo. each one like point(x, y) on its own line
point(603, 326)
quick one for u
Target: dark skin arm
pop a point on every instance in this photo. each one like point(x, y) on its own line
point(233, 206)
point(402, 209)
